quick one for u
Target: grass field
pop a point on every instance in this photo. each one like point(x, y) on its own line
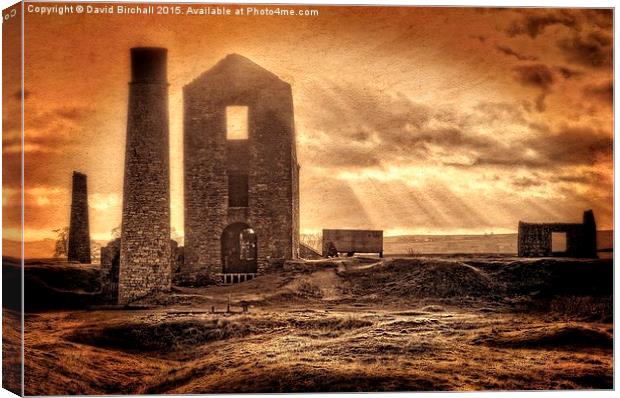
point(358, 324)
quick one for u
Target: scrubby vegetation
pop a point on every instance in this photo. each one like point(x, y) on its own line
point(355, 324)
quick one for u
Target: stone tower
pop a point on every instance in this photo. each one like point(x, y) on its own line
point(145, 230)
point(79, 235)
point(241, 173)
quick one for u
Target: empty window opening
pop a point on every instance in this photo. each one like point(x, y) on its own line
point(558, 242)
point(237, 190)
point(237, 122)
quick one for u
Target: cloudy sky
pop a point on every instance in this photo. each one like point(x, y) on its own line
point(411, 120)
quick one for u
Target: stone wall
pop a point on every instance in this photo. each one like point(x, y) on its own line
point(110, 264)
point(110, 267)
point(145, 230)
point(177, 254)
point(79, 235)
point(535, 238)
point(308, 253)
point(268, 157)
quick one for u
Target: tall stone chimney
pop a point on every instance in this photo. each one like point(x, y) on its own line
point(145, 231)
point(79, 235)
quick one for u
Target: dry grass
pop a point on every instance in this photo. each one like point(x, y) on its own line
point(408, 325)
point(162, 337)
point(568, 337)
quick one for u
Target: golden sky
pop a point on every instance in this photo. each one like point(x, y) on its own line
point(410, 120)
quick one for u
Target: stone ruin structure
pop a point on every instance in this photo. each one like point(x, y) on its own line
point(241, 173)
point(79, 235)
point(579, 240)
point(145, 230)
point(110, 266)
point(241, 180)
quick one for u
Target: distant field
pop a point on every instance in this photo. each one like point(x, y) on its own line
point(446, 244)
point(393, 245)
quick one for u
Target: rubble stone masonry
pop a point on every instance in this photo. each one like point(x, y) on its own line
point(145, 232)
point(535, 240)
point(267, 157)
point(79, 235)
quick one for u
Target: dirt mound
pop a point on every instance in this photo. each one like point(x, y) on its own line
point(307, 378)
point(335, 323)
point(422, 278)
point(63, 275)
point(53, 284)
point(160, 336)
point(551, 276)
point(567, 337)
point(430, 277)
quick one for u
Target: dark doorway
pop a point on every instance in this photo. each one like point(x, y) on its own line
point(239, 249)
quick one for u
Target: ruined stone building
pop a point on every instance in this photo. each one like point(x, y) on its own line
point(145, 229)
point(559, 239)
point(241, 173)
point(79, 234)
point(241, 179)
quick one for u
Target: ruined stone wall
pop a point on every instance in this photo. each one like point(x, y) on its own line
point(145, 231)
point(79, 235)
point(535, 239)
point(295, 194)
point(176, 260)
point(110, 262)
point(209, 157)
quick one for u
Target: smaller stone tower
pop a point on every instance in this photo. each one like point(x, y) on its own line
point(79, 235)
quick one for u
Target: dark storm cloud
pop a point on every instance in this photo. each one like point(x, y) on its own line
point(535, 24)
point(565, 147)
point(602, 18)
point(602, 92)
point(589, 41)
point(568, 73)
point(576, 146)
point(593, 49)
point(539, 76)
point(510, 52)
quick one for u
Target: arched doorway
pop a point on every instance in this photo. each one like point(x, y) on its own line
point(239, 249)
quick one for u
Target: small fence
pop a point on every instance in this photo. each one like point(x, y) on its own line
point(229, 279)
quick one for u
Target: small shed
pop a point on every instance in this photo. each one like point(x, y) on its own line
point(352, 241)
